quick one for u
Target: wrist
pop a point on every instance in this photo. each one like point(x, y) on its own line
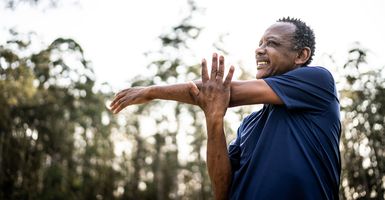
point(150, 92)
point(214, 125)
point(213, 116)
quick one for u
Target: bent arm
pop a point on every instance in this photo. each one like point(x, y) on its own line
point(218, 162)
point(213, 97)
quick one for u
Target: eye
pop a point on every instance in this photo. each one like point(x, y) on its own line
point(269, 43)
point(272, 43)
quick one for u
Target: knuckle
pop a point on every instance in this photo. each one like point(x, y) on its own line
point(210, 87)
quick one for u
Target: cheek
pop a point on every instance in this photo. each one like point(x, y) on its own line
point(281, 63)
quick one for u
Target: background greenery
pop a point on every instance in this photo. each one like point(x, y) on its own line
point(57, 135)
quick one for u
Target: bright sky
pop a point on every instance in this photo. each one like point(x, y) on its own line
point(115, 33)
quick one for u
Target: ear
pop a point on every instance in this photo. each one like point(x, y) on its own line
point(303, 56)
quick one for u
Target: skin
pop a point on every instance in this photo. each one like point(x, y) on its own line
point(275, 47)
point(214, 96)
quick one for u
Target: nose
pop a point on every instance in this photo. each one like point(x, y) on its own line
point(260, 50)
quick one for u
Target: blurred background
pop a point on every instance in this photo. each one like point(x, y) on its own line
point(61, 62)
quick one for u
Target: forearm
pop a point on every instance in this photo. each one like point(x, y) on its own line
point(177, 92)
point(242, 93)
point(248, 92)
point(218, 162)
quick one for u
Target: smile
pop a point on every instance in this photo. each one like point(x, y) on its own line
point(261, 64)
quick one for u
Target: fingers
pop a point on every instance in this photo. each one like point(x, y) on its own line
point(229, 77)
point(221, 69)
point(115, 108)
point(205, 74)
point(116, 98)
point(118, 109)
point(118, 102)
point(217, 72)
point(120, 105)
point(214, 67)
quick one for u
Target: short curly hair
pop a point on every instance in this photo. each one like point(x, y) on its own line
point(303, 36)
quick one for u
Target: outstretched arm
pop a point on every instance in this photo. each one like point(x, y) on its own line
point(242, 93)
point(214, 97)
point(140, 95)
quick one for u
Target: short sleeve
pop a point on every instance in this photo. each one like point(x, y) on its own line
point(310, 88)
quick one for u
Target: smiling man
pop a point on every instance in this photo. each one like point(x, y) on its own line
point(287, 150)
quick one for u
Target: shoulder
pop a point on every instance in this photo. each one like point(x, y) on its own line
point(312, 73)
point(302, 87)
point(308, 75)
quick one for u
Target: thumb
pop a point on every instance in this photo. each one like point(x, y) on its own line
point(194, 92)
point(194, 89)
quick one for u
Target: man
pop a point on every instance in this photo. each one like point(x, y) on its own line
point(287, 150)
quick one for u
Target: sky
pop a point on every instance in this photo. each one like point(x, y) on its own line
point(115, 34)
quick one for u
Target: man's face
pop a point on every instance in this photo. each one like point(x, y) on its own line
point(275, 54)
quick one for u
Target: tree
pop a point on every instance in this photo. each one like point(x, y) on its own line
point(54, 143)
point(362, 141)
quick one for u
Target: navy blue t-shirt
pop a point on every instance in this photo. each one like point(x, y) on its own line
point(290, 151)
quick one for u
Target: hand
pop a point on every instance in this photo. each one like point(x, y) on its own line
point(214, 94)
point(129, 96)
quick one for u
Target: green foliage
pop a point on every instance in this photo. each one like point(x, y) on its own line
point(363, 139)
point(53, 143)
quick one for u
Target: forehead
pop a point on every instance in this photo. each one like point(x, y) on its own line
point(280, 30)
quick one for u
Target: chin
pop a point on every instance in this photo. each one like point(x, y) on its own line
point(260, 75)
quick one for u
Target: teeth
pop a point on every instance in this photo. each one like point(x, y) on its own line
point(262, 63)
